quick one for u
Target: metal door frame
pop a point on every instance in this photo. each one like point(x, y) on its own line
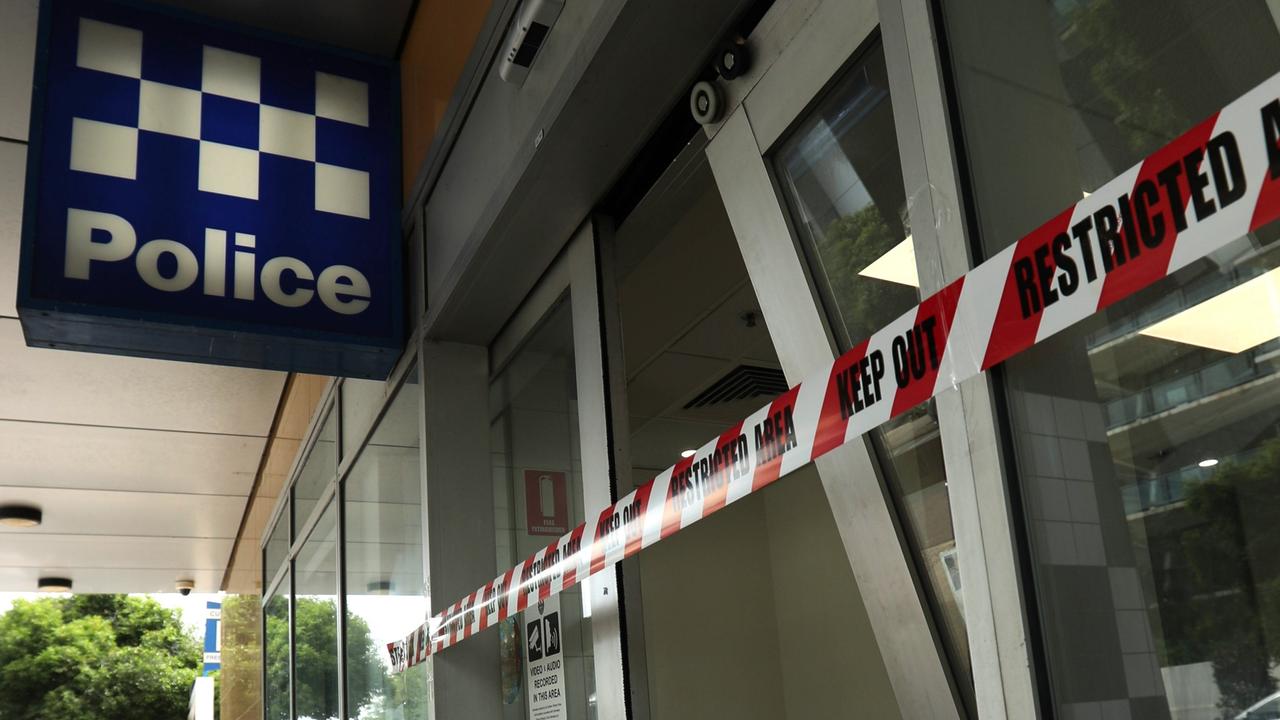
point(798, 49)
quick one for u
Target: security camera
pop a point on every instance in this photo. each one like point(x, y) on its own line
point(733, 60)
point(185, 586)
point(706, 103)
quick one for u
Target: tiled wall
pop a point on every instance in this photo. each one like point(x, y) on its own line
point(1082, 540)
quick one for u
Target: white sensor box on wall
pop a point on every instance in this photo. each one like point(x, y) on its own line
point(533, 23)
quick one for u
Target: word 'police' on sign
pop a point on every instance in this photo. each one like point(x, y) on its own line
point(204, 194)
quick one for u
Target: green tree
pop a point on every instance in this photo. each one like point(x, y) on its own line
point(240, 680)
point(405, 695)
point(95, 657)
point(1234, 554)
point(316, 663)
point(847, 246)
point(1123, 70)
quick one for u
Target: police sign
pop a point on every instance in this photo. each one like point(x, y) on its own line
point(204, 193)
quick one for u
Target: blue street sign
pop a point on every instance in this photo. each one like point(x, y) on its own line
point(202, 192)
point(212, 637)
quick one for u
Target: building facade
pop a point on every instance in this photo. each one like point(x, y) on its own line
point(599, 283)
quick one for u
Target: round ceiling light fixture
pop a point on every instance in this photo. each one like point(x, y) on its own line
point(1208, 462)
point(54, 584)
point(20, 516)
point(688, 453)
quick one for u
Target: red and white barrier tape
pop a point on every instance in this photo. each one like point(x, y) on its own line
point(1215, 183)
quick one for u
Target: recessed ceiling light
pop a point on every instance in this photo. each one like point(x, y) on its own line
point(20, 516)
point(688, 453)
point(1245, 316)
point(1208, 462)
point(896, 266)
point(54, 584)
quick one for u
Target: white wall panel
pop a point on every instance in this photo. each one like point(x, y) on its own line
point(108, 580)
point(498, 137)
point(17, 58)
point(121, 554)
point(13, 158)
point(78, 456)
point(106, 512)
point(71, 387)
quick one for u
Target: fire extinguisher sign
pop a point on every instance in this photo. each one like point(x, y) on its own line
point(546, 502)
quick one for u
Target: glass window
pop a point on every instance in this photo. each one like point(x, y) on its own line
point(241, 673)
point(317, 471)
point(361, 400)
point(277, 548)
point(276, 614)
point(843, 180)
point(385, 590)
point(315, 621)
point(537, 476)
point(1148, 436)
point(753, 612)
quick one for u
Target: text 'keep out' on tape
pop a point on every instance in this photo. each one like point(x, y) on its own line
point(1215, 183)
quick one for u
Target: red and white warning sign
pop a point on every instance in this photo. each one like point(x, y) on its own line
point(1215, 183)
point(546, 502)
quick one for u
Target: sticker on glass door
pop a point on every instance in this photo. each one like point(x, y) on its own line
point(546, 502)
point(544, 666)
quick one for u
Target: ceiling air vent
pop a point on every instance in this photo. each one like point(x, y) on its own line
point(740, 383)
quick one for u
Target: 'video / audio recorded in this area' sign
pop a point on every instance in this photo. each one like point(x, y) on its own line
point(197, 192)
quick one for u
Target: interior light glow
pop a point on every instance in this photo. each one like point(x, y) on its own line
point(20, 516)
point(1208, 462)
point(54, 584)
point(896, 266)
point(1243, 317)
point(687, 453)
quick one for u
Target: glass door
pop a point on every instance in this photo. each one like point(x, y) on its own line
point(550, 473)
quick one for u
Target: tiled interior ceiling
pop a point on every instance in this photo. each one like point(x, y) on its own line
point(678, 344)
point(142, 467)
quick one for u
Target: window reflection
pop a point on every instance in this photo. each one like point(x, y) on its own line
point(315, 622)
point(277, 652)
point(843, 181)
point(537, 476)
point(277, 548)
point(1148, 436)
point(317, 471)
point(385, 590)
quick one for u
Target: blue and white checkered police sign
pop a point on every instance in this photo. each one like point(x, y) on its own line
point(204, 193)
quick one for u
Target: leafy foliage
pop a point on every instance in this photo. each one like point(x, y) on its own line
point(316, 663)
point(239, 683)
point(1234, 555)
point(1122, 71)
point(847, 246)
point(95, 657)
